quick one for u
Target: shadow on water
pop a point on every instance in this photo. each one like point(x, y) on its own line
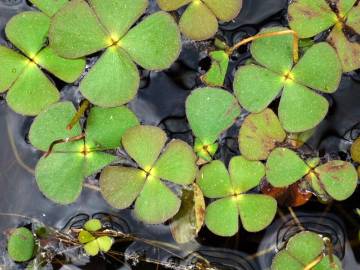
point(160, 101)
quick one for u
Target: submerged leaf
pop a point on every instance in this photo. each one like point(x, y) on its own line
point(210, 111)
point(21, 245)
point(186, 224)
point(259, 135)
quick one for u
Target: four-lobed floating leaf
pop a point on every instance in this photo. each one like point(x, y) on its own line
point(309, 18)
point(300, 108)
point(302, 250)
point(60, 175)
point(229, 188)
point(82, 28)
point(29, 89)
point(210, 111)
point(337, 178)
point(21, 245)
point(200, 18)
point(155, 202)
point(93, 245)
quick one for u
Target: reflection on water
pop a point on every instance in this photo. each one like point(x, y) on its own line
point(161, 102)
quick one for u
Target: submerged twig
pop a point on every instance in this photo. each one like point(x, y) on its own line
point(272, 34)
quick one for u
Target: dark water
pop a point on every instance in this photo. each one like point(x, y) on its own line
point(160, 102)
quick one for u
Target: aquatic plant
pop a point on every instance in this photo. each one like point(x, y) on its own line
point(259, 139)
point(49, 7)
point(215, 76)
point(309, 18)
point(230, 191)
point(74, 154)
point(155, 202)
point(210, 111)
point(304, 251)
point(21, 245)
point(94, 244)
point(82, 28)
point(29, 89)
point(300, 108)
point(199, 20)
point(220, 58)
point(355, 150)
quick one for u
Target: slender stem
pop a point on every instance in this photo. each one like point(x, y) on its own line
point(273, 34)
point(330, 249)
point(84, 105)
point(72, 139)
point(314, 262)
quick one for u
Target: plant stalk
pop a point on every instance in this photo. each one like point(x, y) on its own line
point(273, 34)
point(84, 105)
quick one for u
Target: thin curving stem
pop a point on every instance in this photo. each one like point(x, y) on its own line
point(273, 34)
point(84, 105)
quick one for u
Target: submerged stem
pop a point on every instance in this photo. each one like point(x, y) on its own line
point(84, 105)
point(330, 250)
point(273, 34)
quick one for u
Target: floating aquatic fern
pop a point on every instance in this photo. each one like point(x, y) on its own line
point(82, 28)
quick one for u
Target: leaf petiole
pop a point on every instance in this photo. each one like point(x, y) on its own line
point(272, 34)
